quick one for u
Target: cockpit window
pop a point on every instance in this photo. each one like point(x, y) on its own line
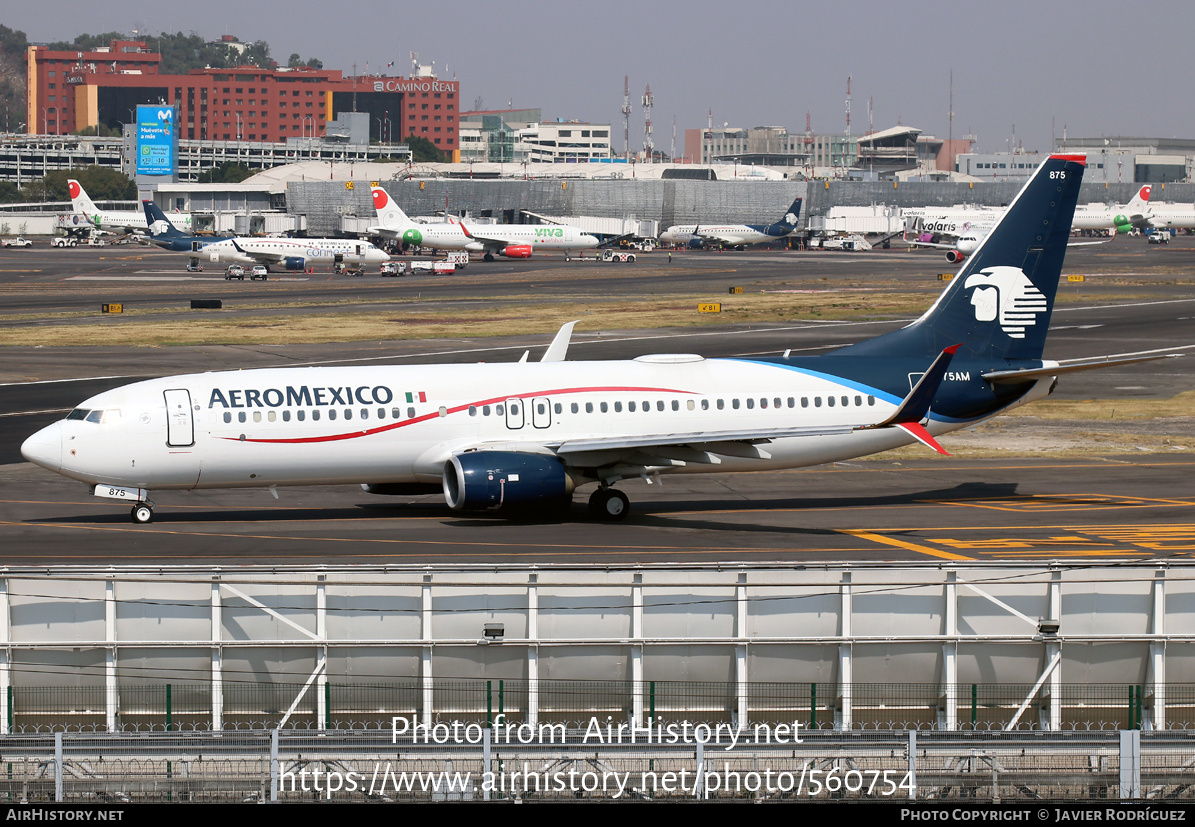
point(110, 415)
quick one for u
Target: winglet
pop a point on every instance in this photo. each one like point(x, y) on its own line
point(559, 346)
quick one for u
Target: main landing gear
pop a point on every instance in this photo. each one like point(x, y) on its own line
point(609, 504)
point(488, 257)
point(143, 513)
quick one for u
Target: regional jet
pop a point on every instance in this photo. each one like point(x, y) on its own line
point(290, 253)
point(516, 437)
point(733, 235)
point(510, 240)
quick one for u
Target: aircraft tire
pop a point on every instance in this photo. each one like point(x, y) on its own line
point(142, 513)
point(609, 504)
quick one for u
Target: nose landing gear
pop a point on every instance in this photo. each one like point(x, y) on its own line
point(143, 513)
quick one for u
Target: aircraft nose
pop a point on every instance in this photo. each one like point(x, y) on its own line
point(45, 447)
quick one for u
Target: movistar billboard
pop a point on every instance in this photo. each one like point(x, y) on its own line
point(156, 146)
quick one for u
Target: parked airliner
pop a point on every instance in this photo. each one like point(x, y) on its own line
point(733, 235)
point(290, 253)
point(502, 437)
point(123, 221)
point(1117, 218)
point(510, 240)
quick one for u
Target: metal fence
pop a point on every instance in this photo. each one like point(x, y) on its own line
point(497, 763)
point(191, 707)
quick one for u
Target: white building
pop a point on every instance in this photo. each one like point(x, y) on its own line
point(568, 142)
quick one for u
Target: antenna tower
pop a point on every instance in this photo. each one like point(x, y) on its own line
point(648, 146)
point(626, 117)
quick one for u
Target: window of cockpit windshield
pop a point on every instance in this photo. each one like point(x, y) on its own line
point(109, 416)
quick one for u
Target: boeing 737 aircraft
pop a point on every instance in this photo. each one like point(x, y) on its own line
point(124, 221)
point(510, 240)
point(291, 253)
point(503, 437)
point(733, 235)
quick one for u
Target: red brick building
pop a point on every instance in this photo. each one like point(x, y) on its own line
point(72, 90)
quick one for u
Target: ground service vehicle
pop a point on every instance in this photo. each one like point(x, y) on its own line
point(234, 271)
point(64, 241)
point(259, 271)
point(617, 255)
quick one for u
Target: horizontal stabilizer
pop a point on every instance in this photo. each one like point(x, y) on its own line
point(1071, 366)
point(915, 406)
point(923, 436)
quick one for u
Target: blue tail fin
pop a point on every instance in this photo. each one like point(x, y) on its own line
point(789, 222)
point(159, 225)
point(999, 304)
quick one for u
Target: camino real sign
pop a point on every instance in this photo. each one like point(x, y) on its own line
point(155, 140)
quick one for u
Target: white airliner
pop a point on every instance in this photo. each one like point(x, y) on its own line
point(123, 221)
point(291, 253)
point(1172, 216)
point(503, 437)
point(1118, 218)
point(733, 235)
point(510, 240)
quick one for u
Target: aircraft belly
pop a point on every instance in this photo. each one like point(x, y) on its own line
point(364, 459)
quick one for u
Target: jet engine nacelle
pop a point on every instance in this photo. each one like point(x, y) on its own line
point(494, 480)
point(954, 256)
point(517, 251)
point(696, 243)
point(294, 262)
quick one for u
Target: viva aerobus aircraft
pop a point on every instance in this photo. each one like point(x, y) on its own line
point(122, 221)
point(504, 437)
point(733, 235)
point(290, 253)
point(510, 240)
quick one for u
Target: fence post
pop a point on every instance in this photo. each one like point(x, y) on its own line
point(1130, 763)
point(486, 757)
point(274, 765)
point(58, 793)
point(912, 764)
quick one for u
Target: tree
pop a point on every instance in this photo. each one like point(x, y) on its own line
point(423, 150)
point(101, 183)
point(228, 172)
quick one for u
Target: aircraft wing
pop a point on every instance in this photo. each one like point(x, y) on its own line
point(620, 455)
point(937, 245)
point(489, 242)
point(258, 256)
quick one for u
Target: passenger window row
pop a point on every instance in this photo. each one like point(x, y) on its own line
point(618, 406)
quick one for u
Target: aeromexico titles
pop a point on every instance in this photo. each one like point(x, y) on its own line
point(504, 437)
point(290, 253)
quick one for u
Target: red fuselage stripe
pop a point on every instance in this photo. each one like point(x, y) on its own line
point(456, 409)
